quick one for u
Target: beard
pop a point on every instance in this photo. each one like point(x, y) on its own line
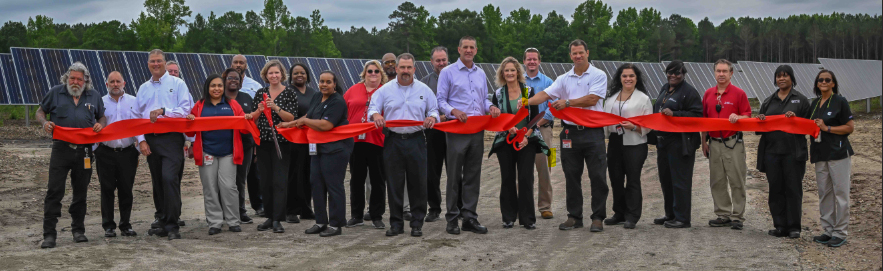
point(74, 90)
point(116, 91)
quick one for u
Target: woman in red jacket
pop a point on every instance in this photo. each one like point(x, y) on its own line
point(217, 153)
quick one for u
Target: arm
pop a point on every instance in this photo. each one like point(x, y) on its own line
point(444, 88)
point(185, 102)
point(431, 106)
point(585, 101)
point(318, 124)
point(597, 89)
point(374, 109)
point(544, 107)
point(693, 107)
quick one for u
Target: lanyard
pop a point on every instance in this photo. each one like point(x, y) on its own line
point(664, 98)
point(622, 103)
point(827, 104)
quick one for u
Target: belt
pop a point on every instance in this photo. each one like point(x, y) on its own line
point(73, 146)
point(722, 140)
point(577, 127)
point(116, 149)
point(405, 136)
point(549, 124)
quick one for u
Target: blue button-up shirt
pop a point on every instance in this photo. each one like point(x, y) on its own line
point(540, 83)
point(464, 89)
point(250, 86)
point(397, 102)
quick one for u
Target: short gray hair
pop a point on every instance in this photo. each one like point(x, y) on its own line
point(78, 67)
point(404, 56)
point(723, 61)
point(157, 52)
point(438, 49)
point(172, 62)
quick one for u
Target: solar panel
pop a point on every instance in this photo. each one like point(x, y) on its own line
point(420, 69)
point(56, 62)
point(212, 63)
point(338, 66)
point(858, 79)
point(5, 67)
point(32, 78)
point(653, 77)
point(90, 59)
point(192, 73)
point(739, 81)
point(255, 65)
point(115, 61)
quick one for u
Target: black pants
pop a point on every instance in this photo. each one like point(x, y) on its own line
point(785, 176)
point(516, 197)
point(327, 171)
point(242, 181)
point(116, 172)
point(367, 159)
point(65, 159)
point(676, 178)
point(300, 195)
point(274, 178)
point(587, 147)
point(166, 162)
point(254, 183)
point(464, 174)
point(436, 148)
point(405, 161)
point(626, 162)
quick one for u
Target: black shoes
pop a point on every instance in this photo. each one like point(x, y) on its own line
point(128, 232)
point(367, 216)
point(416, 232)
point(629, 225)
point(331, 231)
point(267, 225)
point(674, 224)
point(597, 226)
point(155, 224)
point(309, 215)
point(213, 231)
point(531, 227)
point(822, 239)
point(181, 224)
point(354, 222)
point(794, 234)
point(432, 216)
point(48, 242)
point(720, 222)
point(110, 233)
point(393, 231)
point(736, 225)
point(378, 224)
point(407, 216)
point(315, 229)
point(571, 223)
point(292, 219)
point(158, 232)
point(260, 212)
point(244, 219)
point(174, 235)
point(453, 227)
point(836, 242)
point(508, 225)
point(614, 221)
point(661, 220)
point(235, 229)
point(472, 225)
point(777, 233)
point(277, 227)
point(79, 237)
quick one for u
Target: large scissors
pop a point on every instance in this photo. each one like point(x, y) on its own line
point(272, 126)
point(519, 134)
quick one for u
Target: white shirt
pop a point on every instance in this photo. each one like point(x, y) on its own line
point(250, 86)
point(169, 92)
point(397, 102)
point(572, 86)
point(637, 105)
point(126, 108)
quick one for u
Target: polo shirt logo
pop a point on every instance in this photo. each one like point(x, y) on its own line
point(421, 97)
point(795, 101)
point(829, 113)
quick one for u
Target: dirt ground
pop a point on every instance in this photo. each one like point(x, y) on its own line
point(24, 156)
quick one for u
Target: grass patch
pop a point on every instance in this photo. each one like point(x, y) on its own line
point(16, 112)
point(861, 106)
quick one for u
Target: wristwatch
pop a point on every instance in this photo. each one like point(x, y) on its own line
point(634, 128)
point(567, 103)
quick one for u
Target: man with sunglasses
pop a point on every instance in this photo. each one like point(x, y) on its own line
point(539, 82)
point(724, 149)
point(389, 65)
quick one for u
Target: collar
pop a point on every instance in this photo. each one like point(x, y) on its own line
point(572, 71)
point(161, 78)
point(726, 90)
point(208, 101)
point(461, 66)
point(400, 85)
point(64, 91)
point(539, 76)
point(110, 98)
point(790, 94)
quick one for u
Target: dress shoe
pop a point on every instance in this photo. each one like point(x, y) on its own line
point(235, 229)
point(794, 234)
point(473, 226)
point(822, 239)
point(79, 237)
point(158, 232)
point(277, 227)
point(416, 232)
point(244, 219)
point(661, 220)
point(331, 231)
point(407, 216)
point(720, 222)
point(531, 227)
point(836, 241)
point(508, 225)
point(308, 215)
point(571, 223)
point(155, 224)
point(128, 232)
point(354, 222)
point(292, 219)
point(629, 225)
point(48, 242)
point(315, 229)
point(453, 227)
point(110, 233)
point(777, 233)
point(367, 216)
point(267, 225)
point(736, 225)
point(260, 212)
point(181, 224)
point(213, 231)
point(546, 214)
point(393, 231)
point(432, 216)
point(174, 235)
point(674, 224)
point(614, 221)
point(597, 226)
point(378, 224)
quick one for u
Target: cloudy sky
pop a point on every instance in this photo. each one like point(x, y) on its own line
point(370, 13)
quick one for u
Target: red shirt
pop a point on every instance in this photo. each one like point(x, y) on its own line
point(733, 100)
point(357, 98)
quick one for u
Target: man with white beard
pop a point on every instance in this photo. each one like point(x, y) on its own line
point(117, 160)
point(72, 104)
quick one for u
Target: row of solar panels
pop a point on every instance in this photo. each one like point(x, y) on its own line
point(28, 73)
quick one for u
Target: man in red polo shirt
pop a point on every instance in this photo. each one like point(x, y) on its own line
point(724, 149)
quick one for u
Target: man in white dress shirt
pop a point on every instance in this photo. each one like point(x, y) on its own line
point(117, 160)
point(164, 96)
point(249, 86)
point(404, 150)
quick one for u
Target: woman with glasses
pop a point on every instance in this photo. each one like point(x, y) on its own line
point(782, 156)
point(232, 84)
point(299, 195)
point(676, 151)
point(831, 156)
point(627, 145)
point(367, 151)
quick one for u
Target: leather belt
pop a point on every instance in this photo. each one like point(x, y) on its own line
point(723, 140)
point(116, 149)
point(576, 127)
point(405, 136)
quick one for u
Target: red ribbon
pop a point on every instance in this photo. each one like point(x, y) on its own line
point(136, 127)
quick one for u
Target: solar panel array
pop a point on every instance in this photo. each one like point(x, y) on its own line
point(27, 73)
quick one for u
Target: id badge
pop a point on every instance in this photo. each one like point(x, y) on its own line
point(566, 143)
point(208, 160)
point(313, 149)
point(619, 130)
point(362, 137)
point(87, 161)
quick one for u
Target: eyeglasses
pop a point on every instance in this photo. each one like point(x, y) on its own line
point(825, 80)
point(673, 72)
point(389, 63)
point(372, 71)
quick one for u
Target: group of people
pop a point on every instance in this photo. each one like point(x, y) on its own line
point(401, 166)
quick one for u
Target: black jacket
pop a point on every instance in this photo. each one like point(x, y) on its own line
point(684, 101)
point(801, 109)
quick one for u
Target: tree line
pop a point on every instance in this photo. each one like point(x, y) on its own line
point(633, 35)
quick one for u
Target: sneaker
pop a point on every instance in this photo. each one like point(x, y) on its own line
point(736, 225)
point(836, 242)
point(822, 239)
point(719, 222)
point(570, 224)
point(378, 224)
point(367, 216)
point(244, 219)
point(354, 222)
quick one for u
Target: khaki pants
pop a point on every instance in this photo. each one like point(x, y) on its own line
point(728, 172)
point(220, 193)
point(544, 185)
point(833, 178)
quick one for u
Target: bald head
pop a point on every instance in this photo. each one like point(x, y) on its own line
point(115, 84)
point(389, 65)
point(239, 63)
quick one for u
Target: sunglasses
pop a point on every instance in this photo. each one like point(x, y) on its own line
point(372, 71)
point(675, 73)
point(825, 80)
point(389, 63)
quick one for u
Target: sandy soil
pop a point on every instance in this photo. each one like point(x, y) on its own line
point(24, 156)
